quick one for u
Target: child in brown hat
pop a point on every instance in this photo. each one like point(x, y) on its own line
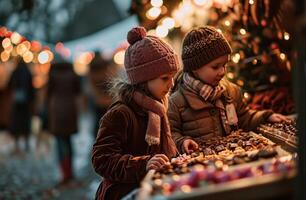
point(205, 104)
point(134, 135)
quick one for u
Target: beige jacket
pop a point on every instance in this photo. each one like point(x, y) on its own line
point(191, 117)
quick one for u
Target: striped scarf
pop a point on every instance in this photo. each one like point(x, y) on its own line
point(209, 94)
point(158, 124)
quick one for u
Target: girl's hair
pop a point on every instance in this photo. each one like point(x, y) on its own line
point(122, 90)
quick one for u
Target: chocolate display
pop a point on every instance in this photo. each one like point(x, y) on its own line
point(220, 160)
point(237, 148)
point(200, 176)
point(285, 131)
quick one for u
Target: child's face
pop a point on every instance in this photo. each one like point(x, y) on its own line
point(212, 72)
point(160, 86)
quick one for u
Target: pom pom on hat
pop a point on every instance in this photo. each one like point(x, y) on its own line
point(136, 34)
point(147, 57)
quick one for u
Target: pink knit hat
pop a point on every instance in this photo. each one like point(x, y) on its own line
point(147, 57)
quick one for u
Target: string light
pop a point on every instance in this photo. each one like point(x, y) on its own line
point(6, 43)
point(242, 31)
point(21, 49)
point(236, 58)
point(153, 13)
point(5, 56)
point(273, 78)
point(43, 57)
point(282, 56)
point(168, 22)
point(227, 23)
point(16, 38)
point(230, 75)
point(251, 2)
point(28, 57)
point(119, 57)
point(254, 61)
point(161, 31)
point(286, 36)
point(157, 3)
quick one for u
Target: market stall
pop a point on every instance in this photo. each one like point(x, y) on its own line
point(243, 165)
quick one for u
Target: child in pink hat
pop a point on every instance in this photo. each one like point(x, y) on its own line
point(134, 135)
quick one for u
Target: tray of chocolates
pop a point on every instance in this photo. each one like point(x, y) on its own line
point(217, 166)
point(284, 133)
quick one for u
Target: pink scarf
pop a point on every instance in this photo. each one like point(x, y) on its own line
point(158, 124)
point(212, 94)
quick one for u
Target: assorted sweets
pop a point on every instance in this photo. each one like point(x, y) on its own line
point(237, 148)
point(285, 131)
point(204, 176)
point(219, 160)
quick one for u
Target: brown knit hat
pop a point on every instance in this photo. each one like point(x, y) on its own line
point(201, 46)
point(147, 57)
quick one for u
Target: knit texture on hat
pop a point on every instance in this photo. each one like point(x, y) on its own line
point(201, 46)
point(148, 57)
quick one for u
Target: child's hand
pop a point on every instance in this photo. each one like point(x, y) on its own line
point(189, 146)
point(278, 118)
point(157, 162)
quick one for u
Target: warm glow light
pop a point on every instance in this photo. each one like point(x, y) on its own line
point(227, 23)
point(207, 3)
point(157, 3)
point(286, 36)
point(28, 57)
point(282, 56)
point(119, 57)
point(27, 44)
point(6, 43)
point(80, 68)
point(161, 31)
point(43, 57)
point(254, 61)
point(236, 58)
point(246, 95)
point(16, 38)
point(251, 2)
point(153, 13)
point(21, 49)
point(9, 48)
point(230, 75)
point(242, 31)
point(5, 56)
point(168, 22)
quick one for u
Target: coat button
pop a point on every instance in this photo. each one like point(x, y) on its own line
point(213, 111)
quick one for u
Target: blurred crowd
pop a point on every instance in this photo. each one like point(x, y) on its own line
point(55, 107)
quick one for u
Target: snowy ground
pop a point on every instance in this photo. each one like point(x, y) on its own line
point(34, 175)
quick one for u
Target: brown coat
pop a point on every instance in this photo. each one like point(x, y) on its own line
point(63, 89)
point(190, 117)
point(120, 153)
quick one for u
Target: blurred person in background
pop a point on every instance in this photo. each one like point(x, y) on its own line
point(64, 87)
point(100, 74)
point(22, 104)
